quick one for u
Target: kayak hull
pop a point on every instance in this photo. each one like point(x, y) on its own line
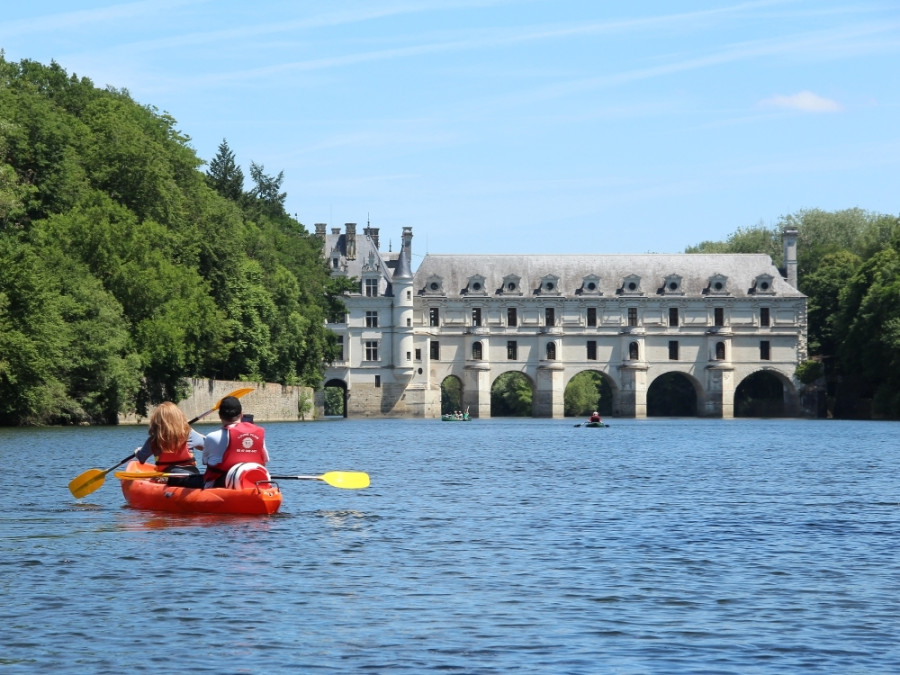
point(150, 495)
point(599, 425)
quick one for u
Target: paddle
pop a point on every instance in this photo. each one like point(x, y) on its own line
point(349, 480)
point(92, 479)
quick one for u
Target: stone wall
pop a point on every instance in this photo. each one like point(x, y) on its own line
point(267, 403)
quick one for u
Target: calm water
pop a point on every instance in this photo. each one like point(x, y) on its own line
point(494, 546)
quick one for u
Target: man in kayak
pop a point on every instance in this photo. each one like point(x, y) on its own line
point(595, 417)
point(237, 442)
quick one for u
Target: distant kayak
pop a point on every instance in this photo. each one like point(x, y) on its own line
point(153, 494)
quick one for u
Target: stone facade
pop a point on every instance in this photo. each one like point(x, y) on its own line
point(713, 319)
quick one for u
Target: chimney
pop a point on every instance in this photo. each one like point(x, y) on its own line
point(372, 233)
point(351, 241)
point(407, 244)
point(789, 239)
point(320, 230)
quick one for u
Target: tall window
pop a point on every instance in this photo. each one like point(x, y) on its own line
point(764, 316)
point(673, 316)
point(378, 380)
point(591, 316)
point(633, 351)
point(435, 350)
point(719, 316)
point(549, 316)
point(512, 318)
point(371, 350)
point(592, 350)
point(340, 347)
point(476, 351)
point(418, 354)
point(765, 350)
point(476, 316)
point(720, 351)
point(371, 319)
point(371, 288)
point(434, 317)
point(551, 351)
point(512, 350)
point(632, 316)
point(673, 350)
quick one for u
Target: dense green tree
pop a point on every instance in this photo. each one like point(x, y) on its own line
point(511, 396)
point(583, 395)
point(224, 175)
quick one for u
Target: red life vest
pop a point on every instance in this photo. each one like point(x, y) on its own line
point(245, 444)
point(182, 456)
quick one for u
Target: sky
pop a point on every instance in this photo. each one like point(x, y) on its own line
point(514, 126)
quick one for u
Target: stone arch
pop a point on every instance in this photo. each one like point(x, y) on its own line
point(341, 402)
point(512, 395)
point(765, 393)
point(608, 390)
point(451, 394)
point(674, 394)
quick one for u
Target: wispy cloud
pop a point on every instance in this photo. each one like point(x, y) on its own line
point(804, 101)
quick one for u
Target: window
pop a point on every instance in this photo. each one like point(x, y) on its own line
point(371, 319)
point(592, 316)
point(764, 316)
point(435, 350)
point(633, 352)
point(371, 350)
point(719, 316)
point(512, 350)
point(673, 316)
point(371, 288)
point(409, 356)
point(551, 351)
point(720, 351)
point(418, 355)
point(592, 350)
point(408, 322)
point(765, 350)
point(632, 316)
point(476, 351)
point(476, 316)
point(434, 317)
point(673, 350)
point(549, 316)
point(512, 319)
point(340, 348)
point(378, 380)
point(409, 295)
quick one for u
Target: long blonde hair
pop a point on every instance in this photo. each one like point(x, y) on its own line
point(169, 428)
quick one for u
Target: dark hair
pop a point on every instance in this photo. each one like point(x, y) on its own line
point(229, 408)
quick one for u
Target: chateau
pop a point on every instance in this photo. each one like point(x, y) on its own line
point(714, 320)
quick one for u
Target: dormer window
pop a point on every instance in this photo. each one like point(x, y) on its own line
point(631, 285)
point(591, 285)
point(434, 285)
point(763, 285)
point(718, 285)
point(550, 285)
point(672, 285)
point(476, 285)
point(511, 285)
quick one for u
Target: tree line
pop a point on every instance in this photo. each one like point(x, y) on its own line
point(125, 268)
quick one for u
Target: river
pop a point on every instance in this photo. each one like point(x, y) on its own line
point(490, 546)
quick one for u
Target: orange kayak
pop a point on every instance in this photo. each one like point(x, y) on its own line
point(151, 494)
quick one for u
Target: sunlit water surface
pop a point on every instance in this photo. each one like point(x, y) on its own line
point(493, 546)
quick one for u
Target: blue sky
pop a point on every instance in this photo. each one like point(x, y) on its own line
point(514, 126)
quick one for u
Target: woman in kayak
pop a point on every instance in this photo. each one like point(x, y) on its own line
point(172, 442)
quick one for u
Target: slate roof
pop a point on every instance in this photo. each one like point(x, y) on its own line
point(696, 271)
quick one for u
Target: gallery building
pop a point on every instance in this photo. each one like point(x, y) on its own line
point(714, 320)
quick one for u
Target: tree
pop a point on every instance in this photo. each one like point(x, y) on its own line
point(224, 175)
point(582, 395)
point(511, 396)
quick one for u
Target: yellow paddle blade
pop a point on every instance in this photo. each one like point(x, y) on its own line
point(349, 480)
point(86, 483)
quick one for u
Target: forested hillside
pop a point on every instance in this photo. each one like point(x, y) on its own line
point(849, 267)
point(125, 267)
